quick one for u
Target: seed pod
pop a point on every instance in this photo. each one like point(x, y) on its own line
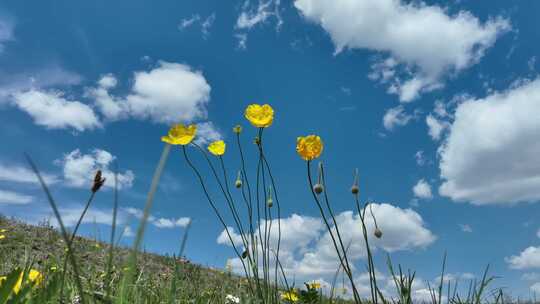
point(355, 189)
point(378, 233)
point(98, 181)
point(244, 254)
point(318, 188)
point(270, 202)
point(238, 182)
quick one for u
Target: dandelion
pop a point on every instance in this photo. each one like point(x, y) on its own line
point(309, 147)
point(230, 299)
point(180, 134)
point(290, 296)
point(237, 129)
point(217, 147)
point(260, 116)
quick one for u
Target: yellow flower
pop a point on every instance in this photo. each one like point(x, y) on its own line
point(54, 268)
point(260, 116)
point(314, 285)
point(3, 230)
point(2, 236)
point(34, 277)
point(180, 134)
point(217, 147)
point(290, 296)
point(309, 147)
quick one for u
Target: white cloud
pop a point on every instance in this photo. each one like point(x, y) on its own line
point(79, 169)
point(396, 117)
point(187, 22)
point(169, 93)
point(422, 190)
point(436, 127)
point(465, 227)
point(171, 223)
point(490, 154)
point(20, 174)
point(420, 158)
point(6, 31)
point(531, 276)
point(14, 198)
point(425, 39)
point(307, 250)
point(527, 259)
point(207, 132)
point(538, 233)
point(205, 24)
point(252, 15)
point(242, 41)
point(51, 110)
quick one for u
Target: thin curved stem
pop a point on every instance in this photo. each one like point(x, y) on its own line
point(216, 211)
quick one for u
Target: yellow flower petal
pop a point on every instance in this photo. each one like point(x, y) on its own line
point(309, 147)
point(180, 134)
point(290, 296)
point(2, 236)
point(217, 147)
point(260, 116)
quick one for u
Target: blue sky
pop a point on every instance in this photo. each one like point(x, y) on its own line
point(436, 103)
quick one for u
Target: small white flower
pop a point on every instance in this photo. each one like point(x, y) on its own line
point(230, 299)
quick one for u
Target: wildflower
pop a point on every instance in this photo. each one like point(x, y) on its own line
point(98, 182)
point(2, 236)
point(217, 147)
point(180, 134)
point(237, 129)
point(378, 233)
point(238, 182)
point(314, 285)
point(230, 299)
point(309, 147)
point(354, 187)
point(97, 245)
point(34, 277)
point(3, 230)
point(260, 116)
point(54, 268)
point(290, 296)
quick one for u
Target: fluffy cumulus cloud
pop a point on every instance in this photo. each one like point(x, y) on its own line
point(422, 190)
point(79, 169)
point(307, 250)
point(490, 154)
point(14, 198)
point(169, 93)
point(425, 39)
point(53, 111)
point(527, 259)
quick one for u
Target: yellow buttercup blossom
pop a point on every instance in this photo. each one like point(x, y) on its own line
point(3, 230)
point(260, 116)
point(314, 285)
point(309, 147)
point(180, 134)
point(217, 147)
point(290, 296)
point(2, 236)
point(34, 277)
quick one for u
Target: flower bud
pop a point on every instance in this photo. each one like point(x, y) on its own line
point(237, 129)
point(244, 254)
point(318, 188)
point(98, 181)
point(238, 182)
point(378, 233)
point(270, 202)
point(355, 189)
